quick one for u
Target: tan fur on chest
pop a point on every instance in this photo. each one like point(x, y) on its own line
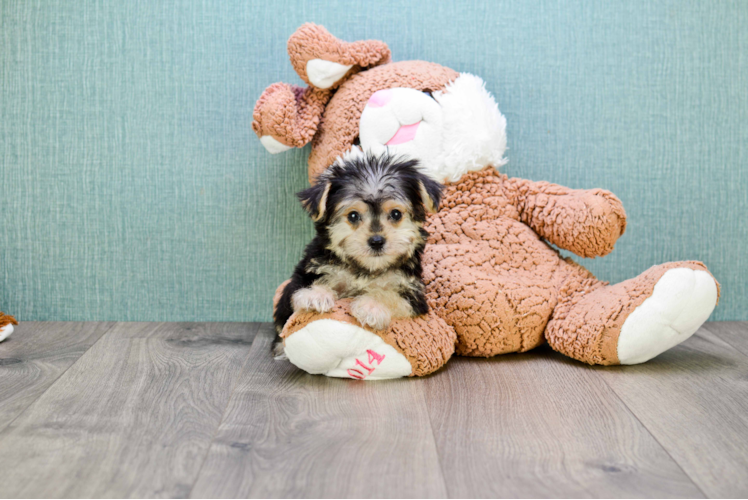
point(385, 287)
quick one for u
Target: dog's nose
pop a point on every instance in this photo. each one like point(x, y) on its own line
point(376, 242)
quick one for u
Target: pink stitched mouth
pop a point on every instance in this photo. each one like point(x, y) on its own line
point(404, 134)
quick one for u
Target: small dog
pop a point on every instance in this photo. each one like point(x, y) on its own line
point(369, 213)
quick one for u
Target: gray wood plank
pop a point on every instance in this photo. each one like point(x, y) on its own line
point(133, 417)
point(290, 434)
point(734, 333)
point(35, 356)
point(542, 425)
point(694, 400)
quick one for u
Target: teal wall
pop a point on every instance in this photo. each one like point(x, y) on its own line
point(132, 187)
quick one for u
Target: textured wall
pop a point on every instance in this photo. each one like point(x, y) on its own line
point(133, 187)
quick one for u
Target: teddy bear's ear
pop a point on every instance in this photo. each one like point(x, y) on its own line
point(287, 116)
point(323, 61)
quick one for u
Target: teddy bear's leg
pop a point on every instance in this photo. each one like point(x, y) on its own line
point(334, 344)
point(634, 321)
point(491, 313)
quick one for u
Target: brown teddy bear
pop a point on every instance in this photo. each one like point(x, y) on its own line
point(6, 325)
point(494, 283)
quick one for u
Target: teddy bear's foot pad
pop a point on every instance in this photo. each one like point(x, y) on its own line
point(339, 349)
point(680, 303)
point(5, 332)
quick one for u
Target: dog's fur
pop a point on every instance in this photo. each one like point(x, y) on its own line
point(355, 203)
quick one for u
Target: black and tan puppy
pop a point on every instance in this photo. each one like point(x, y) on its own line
point(369, 213)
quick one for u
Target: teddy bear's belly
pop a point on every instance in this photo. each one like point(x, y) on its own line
point(503, 245)
point(495, 282)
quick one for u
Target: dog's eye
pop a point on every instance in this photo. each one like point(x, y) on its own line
point(354, 217)
point(396, 215)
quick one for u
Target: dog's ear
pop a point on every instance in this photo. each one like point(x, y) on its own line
point(314, 199)
point(431, 194)
point(323, 61)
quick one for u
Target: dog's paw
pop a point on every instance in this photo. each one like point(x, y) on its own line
point(279, 351)
point(370, 312)
point(316, 298)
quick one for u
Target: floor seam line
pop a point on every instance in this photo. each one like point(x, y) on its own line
point(631, 411)
point(114, 323)
point(225, 409)
point(726, 341)
point(436, 446)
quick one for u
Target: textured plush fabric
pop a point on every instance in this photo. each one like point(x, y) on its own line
point(315, 42)
point(348, 103)
point(490, 275)
point(588, 318)
point(133, 187)
point(289, 113)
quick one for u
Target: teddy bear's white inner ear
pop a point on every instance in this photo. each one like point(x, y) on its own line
point(273, 145)
point(323, 74)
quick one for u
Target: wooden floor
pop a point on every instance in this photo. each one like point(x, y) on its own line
point(202, 410)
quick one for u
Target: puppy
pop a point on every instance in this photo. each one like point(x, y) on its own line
point(369, 213)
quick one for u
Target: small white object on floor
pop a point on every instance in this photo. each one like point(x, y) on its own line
point(5, 332)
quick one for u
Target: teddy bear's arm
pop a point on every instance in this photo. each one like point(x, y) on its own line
point(586, 222)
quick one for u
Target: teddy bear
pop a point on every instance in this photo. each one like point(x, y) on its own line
point(6, 325)
point(496, 282)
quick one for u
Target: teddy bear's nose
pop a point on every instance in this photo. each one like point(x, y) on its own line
point(380, 98)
